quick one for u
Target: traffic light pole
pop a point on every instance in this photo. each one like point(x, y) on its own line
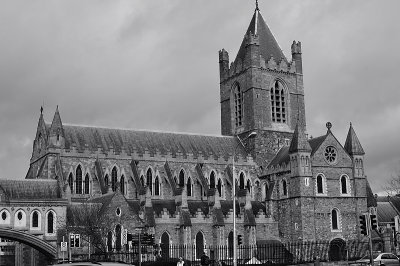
point(369, 230)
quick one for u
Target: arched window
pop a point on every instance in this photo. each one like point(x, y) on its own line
point(106, 181)
point(320, 184)
point(149, 180)
point(157, 186)
point(238, 98)
point(5, 217)
point(79, 180)
point(278, 102)
point(335, 219)
point(248, 185)
point(87, 184)
point(189, 187)
point(181, 178)
point(199, 244)
point(122, 184)
point(212, 179)
point(284, 187)
point(114, 178)
point(71, 182)
point(109, 241)
point(344, 185)
point(219, 187)
point(50, 222)
point(241, 181)
point(118, 237)
point(20, 219)
point(165, 245)
point(35, 219)
point(230, 244)
point(266, 190)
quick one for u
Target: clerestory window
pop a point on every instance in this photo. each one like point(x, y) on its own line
point(278, 103)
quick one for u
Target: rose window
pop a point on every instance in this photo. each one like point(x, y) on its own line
point(330, 154)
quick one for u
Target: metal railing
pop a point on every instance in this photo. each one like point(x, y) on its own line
point(267, 254)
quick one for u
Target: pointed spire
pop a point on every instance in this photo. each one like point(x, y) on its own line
point(353, 145)
point(56, 125)
point(299, 140)
point(268, 45)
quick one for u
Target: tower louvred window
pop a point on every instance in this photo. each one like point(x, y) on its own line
point(238, 98)
point(278, 103)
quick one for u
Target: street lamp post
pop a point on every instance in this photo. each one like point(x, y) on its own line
point(251, 135)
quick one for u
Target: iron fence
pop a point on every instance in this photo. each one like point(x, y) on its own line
point(268, 254)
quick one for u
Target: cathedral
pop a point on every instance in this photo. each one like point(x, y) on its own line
point(289, 186)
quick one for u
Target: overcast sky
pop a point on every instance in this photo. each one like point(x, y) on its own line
point(154, 65)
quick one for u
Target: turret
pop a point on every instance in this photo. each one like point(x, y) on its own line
point(300, 153)
point(223, 64)
point(296, 56)
point(40, 142)
point(56, 135)
point(356, 152)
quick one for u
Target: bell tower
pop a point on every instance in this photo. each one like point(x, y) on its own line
point(262, 91)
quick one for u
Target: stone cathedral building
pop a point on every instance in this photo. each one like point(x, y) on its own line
point(290, 187)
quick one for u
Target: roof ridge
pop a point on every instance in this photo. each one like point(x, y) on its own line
point(146, 130)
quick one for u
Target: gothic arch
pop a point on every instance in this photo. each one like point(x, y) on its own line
point(5, 216)
point(279, 101)
point(118, 237)
point(35, 220)
point(344, 184)
point(335, 219)
point(212, 179)
point(20, 218)
point(71, 182)
point(320, 184)
point(200, 244)
point(165, 242)
point(51, 222)
point(114, 177)
point(181, 177)
point(237, 103)
point(150, 179)
point(242, 178)
point(79, 179)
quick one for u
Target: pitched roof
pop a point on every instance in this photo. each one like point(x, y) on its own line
point(268, 45)
point(281, 157)
point(283, 154)
point(299, 141)
point(92, 138)
point(386, 212)
point(316, 142)
point(29, 189)
point(353, 145)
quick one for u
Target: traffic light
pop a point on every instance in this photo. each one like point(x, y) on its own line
point(374, 222)
point(240, 239)
point(363, 224)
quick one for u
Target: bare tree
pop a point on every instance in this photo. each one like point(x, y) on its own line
point(88, 220)
point(392, 186)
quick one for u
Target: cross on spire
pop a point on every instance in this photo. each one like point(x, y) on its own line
point(257, 5)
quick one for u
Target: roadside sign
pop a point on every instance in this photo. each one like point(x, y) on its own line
point(64, 246)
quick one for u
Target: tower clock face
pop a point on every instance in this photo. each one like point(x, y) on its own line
point(330, 154)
